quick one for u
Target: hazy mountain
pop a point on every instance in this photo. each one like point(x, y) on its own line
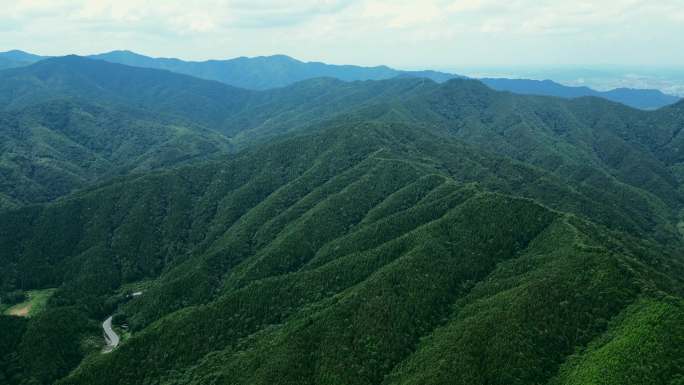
point(265, 72)
point(254, 73)
point(8, 63)
point(16, 58)
point(644, 99)
point(278, 71)
point(21, 56)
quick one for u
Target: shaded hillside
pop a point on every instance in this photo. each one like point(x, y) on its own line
point(366, 253)
point(51, 149)
point(9, 63)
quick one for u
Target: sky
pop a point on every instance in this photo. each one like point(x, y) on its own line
point(437, 34)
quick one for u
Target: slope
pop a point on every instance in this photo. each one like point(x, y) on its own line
point(183, 96)
point(593, 143)
point(586, 141)
point(51, 149)
point(327, 258)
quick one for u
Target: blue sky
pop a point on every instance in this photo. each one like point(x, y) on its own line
point(405, 34)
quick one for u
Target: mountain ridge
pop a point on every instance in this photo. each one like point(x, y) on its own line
point(461, 108)
point(645, 99)
point(266, 72)
point(291, 248)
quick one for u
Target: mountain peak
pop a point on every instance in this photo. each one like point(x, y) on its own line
point(65, 59)
point(15, 52)
point(464, 83)
point(124, 57)
point(20, 55)
point(282, 57)
point(124, 52)
point(279, 59)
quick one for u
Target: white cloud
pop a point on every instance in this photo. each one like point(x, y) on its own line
point(402, 14)
point(398, 32)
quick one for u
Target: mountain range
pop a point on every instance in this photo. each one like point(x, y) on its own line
point(195, 108)
point(267, 72)
point(390, 231)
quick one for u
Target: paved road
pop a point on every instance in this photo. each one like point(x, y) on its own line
point(111, 338)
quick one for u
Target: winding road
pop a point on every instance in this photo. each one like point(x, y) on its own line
point(111, 338)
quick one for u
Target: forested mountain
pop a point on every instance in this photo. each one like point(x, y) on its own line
point(397, 231)
point(70, 121)
point(102, 82)
point(267, 72)
point(629, 146)
point(52, 148)
point(366, 253)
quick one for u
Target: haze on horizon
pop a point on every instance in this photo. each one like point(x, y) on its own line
point(402, 34)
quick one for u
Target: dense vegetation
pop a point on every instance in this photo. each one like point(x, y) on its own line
point(386, 232)
point(573, 139)
point(52, 148)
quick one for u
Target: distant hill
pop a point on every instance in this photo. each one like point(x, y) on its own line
point(253, 73)
point(16, 58)
point(643, 99)
point(98, 81)
point(21, 56)
point(266, 72)
point(226, 109)
point(277, 71)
